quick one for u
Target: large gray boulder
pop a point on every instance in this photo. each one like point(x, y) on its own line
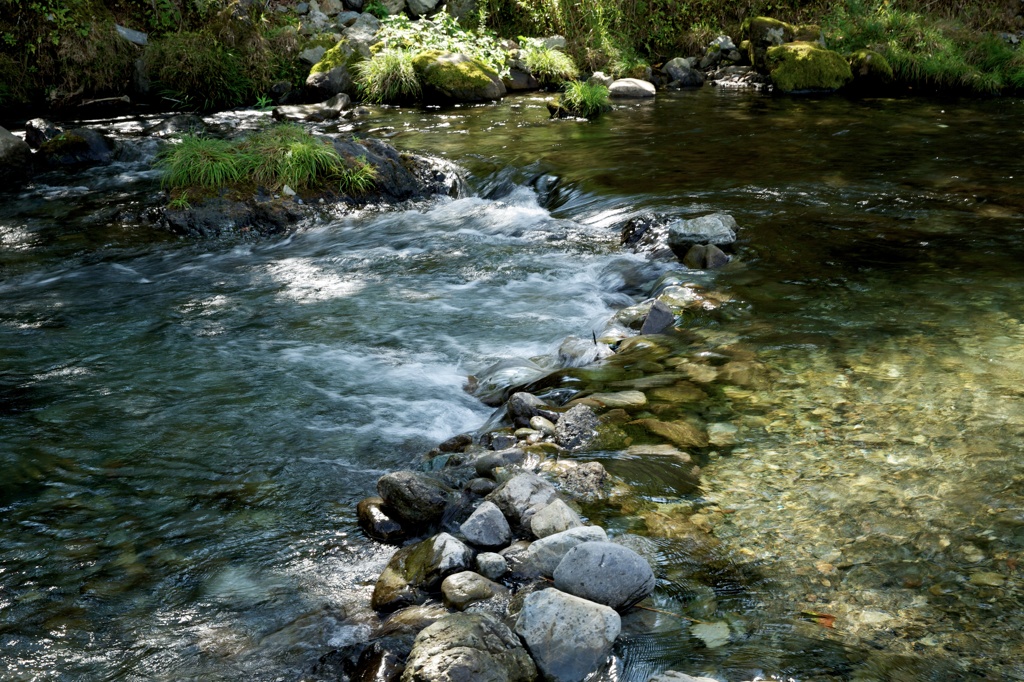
point(419, 8)
point(415, 572)
point(485, 464)
point(546, 554)
point(414, 498)
point(568, 637)
point(681, 73)
point(487, 527)
point(79, 147)
point(632, 88)
point(38, 131)
point(716, 228)
point(468, 647)
point(15, 156)
point(522, 496)
point(605, 573)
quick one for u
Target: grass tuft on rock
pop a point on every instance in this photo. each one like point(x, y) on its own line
point(272, 158)
point(550, 66)
point(585, 99)
point(389, 78)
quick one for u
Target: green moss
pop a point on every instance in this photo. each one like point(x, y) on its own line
point(341, 54)
point(807, 66)
point(870, 67)
point(65, 143)
point(450, 73)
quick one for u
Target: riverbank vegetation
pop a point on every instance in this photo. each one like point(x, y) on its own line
point(222, 53)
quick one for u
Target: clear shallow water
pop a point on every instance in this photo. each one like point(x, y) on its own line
point(187, 427)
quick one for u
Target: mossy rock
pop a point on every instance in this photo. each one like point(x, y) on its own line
point(761, 33)
point(870, 69)
point(342, 54)
point(78, 147)
point(456, 78)
point(807, 67)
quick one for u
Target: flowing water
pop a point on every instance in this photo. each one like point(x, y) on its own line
point(186, 427)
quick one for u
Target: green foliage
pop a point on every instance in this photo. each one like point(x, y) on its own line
point(584, 99)
point(377, 9)
point(442, 33)
point(389, 77)
point(550, 66)
point(227, 63)
point(924, 51)
point(272, 158)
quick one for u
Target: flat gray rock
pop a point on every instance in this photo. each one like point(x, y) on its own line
point(716, 228)
point(522, 496)
point(568, 637)
point(605, 573)
point(554, 518)
point(547, 553)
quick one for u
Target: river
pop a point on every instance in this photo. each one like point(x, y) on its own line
point(187, 426)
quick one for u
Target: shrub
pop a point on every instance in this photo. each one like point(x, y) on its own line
point(550, 66)
point(389, 77)
point(585, 99)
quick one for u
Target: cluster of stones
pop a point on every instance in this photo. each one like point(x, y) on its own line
point(497, 570)
point(529, 588)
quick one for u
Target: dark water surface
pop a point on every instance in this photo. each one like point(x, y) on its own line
point(186, 427)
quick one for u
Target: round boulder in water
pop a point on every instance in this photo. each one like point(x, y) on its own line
point(605, 573)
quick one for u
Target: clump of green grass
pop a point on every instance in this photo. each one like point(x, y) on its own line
point(389, 77)
point(203, 163)
point(585, 99)
point(272, 158)
point(550, 66)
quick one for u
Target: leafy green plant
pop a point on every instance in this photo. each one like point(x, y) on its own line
point(388, 77)
point(377, 9)
point(443, 33)
point(585, 99)
point(264, 102)
point(550, 66)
